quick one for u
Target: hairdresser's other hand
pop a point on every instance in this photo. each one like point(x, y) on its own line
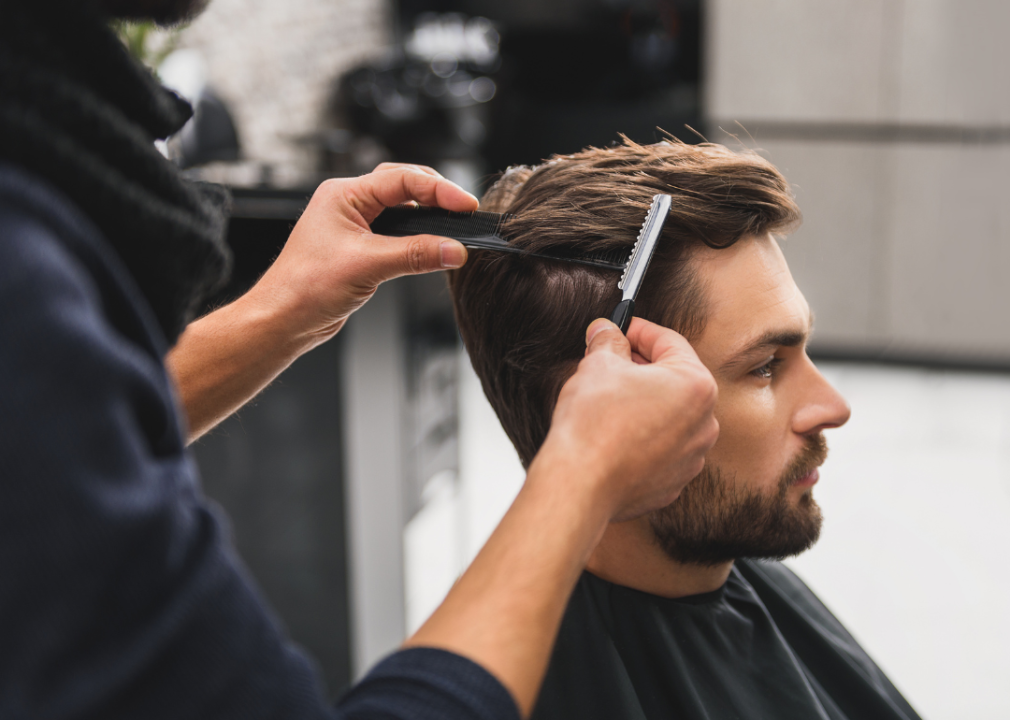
point(332, 263)
point(639, 429)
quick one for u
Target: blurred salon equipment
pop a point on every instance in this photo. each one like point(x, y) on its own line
point(210, 135)
point(511, 84)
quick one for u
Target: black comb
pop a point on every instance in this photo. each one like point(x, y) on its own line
point(481, 230)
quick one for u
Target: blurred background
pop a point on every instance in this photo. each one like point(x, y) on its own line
point(362, 482)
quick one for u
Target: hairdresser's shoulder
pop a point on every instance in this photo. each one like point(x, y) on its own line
point(49, 245)
point(32, 210)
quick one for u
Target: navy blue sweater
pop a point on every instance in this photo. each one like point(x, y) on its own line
point(120, 596)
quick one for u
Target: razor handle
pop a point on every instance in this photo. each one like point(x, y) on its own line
point(621, 317)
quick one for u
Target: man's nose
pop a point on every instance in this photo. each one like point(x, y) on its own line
point(822, 406)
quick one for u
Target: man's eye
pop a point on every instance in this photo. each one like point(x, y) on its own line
point(767, 371)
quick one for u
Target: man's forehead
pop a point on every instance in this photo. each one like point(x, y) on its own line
point(751, 299)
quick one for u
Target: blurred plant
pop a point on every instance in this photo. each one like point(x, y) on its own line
point(147, 42)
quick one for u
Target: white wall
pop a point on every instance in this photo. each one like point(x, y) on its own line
point(916, 498)
point(374, 403)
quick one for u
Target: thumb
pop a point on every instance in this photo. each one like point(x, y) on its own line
point(658, 344)
point(398, 256)
point(604, 336)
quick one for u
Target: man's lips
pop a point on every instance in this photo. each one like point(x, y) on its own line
point(810, 479)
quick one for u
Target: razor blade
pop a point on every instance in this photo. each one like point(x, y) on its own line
point(638, 262)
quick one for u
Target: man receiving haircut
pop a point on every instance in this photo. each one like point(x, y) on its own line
point(685, 613)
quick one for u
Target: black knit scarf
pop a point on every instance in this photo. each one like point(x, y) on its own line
point(78, 111)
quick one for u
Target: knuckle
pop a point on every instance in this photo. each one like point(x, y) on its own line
point(677, 340)
point(713, 394)
point(415, 255)
point(427, 178)
point(329, 187)
point(584, 366)
point(607, 336)
point(568, 389)
point(705, 388)
point(592, 350)
point(419, 182)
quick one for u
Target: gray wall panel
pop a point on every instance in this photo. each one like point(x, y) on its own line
point(905, 248)
point(949, 239)
point(797, 60)
point(892, 121)
point(954, 62)
point(837, 256)
point(863, 61)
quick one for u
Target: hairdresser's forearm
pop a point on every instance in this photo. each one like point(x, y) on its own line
point(330, 266)
point(225, 358)
point(505, 611)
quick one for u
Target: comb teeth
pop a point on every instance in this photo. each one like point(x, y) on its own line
point(612, 260)
point(638, 243)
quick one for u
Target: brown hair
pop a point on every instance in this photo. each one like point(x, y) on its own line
point(523, 320)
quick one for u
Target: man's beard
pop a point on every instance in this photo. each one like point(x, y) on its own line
point(163, 12)
point(716, 521)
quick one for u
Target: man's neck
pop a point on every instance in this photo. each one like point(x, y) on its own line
point(629, 555)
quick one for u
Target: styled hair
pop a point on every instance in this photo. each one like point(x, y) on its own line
point(523, 319)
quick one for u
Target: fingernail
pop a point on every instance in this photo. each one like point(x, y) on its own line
point(595, 329)
point(452, 254)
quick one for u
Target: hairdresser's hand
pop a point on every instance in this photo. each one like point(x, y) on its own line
point(638, 428)
point(329, 267)
point(332, 263)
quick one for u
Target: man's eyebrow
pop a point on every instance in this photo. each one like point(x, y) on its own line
point(770, 340)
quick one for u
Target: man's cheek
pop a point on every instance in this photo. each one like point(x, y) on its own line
point(744, 451)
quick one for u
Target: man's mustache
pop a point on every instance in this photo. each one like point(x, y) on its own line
point(811, 456)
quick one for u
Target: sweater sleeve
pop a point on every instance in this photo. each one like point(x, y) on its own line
point(120, 594)
point(428, 684)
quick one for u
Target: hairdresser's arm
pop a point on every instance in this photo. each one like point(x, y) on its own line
point(330, 265)
point(624, 440)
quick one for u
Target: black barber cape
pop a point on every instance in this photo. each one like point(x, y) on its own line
point(761, 647)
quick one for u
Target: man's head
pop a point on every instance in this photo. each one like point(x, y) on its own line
point(718, 278)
